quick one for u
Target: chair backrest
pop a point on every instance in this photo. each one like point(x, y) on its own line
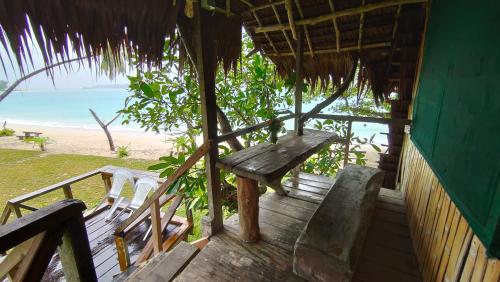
point(120, 177)
point(143, 186)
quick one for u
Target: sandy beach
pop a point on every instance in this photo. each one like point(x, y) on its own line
point(141, 145)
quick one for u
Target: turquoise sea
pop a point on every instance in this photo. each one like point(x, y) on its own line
point(69, 108)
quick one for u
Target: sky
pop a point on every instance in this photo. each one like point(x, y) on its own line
point(77, 78)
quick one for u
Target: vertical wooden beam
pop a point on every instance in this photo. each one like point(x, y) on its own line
point(206, 68)
point(299, 82)
point(6, 214)
point(156, 226)
point(122, 252)
point(347, 143)
point(75, 253)
point(67, 192)
point(107, 185)
point(248, 209)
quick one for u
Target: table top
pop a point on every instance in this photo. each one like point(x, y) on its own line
point(267, 162)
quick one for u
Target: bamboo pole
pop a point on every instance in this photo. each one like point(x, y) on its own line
point(289, 12)
point(361, 24)
point(334, 50)
point(347, 12)
point(335, 26)
point(276, 14)
point(308, 38)
point(256, 8)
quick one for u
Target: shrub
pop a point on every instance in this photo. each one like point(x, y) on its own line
point(122, 152)
point(41, 142)
point(7, 132)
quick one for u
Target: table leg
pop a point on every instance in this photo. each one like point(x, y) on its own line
point(248, 209)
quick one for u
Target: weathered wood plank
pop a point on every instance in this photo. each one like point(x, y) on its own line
point(267, 162)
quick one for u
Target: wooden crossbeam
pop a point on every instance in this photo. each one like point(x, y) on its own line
point(265, 6)
point(334, 50)
point(347, 12)
point(335, 26)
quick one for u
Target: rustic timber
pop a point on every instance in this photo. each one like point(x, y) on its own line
point(226, 258)
point(337, 14)
point(166, 266)
point(268, 162)
point(248, 209)
point(239, 132)
point(299, 81)
point(329, 246)
point(206, 65)
point(363, 119)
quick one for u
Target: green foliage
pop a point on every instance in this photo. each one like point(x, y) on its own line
point(40, 142)
point(122, 152)
point(7, 132)
point(168, 100)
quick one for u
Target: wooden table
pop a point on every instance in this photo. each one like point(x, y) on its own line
point(268, 163)
point(29, 134)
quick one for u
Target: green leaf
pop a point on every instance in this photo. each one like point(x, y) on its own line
point(147, 90)
point(158, 166)
point(376, 148)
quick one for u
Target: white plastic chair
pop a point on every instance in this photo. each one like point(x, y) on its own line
point(120, 177)
point(142, 187)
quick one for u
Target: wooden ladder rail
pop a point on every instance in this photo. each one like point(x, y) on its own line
point(58, 226)
point(152, 207)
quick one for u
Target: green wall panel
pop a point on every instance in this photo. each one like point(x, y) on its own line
point(456, 122)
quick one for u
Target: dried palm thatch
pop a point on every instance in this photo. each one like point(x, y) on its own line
point(91, 28)
point(332, 46)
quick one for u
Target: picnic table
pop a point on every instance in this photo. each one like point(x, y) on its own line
point(29, 134)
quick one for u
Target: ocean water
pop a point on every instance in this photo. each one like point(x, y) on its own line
point(69, 108)
point(65, 108)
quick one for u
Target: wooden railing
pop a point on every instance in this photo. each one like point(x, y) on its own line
point(151, 207)
point(32, 241)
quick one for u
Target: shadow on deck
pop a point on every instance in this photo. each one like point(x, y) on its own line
point(387, 255)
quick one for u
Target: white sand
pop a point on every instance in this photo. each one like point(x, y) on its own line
point(141, 145)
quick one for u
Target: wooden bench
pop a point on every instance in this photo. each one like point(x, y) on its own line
point(330, 244)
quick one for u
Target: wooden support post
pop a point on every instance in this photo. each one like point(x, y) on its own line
point(248, 209)
point(206, 67)
point(107, 185)
point(156, 226)
point(299, 82)
point(122, 251)
point(75, 253)
point(17, 210)
point(347, 143)
point(67, 191)
point(6, 214)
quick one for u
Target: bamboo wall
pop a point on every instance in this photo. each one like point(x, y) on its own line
point(447, 249)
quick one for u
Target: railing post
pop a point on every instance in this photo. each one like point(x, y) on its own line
point(347, 143)
point(156, 226)
point(67, 191)
point(107, 185)
point(122, 251)
point(75, 253)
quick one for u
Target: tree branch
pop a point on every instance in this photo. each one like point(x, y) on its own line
point(343, 87)
point(225, 127)
point(105, 128)
point(23, 78)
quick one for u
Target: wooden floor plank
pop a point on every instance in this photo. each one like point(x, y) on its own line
point(388, 254)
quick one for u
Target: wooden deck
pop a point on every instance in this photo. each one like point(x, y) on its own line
point(387, 255)
point(102, 245)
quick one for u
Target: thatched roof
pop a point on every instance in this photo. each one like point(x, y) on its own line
point(337, 32)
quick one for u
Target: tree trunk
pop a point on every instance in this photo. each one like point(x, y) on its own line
point(105, 128)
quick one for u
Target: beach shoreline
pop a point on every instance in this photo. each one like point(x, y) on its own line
point(83, 141)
